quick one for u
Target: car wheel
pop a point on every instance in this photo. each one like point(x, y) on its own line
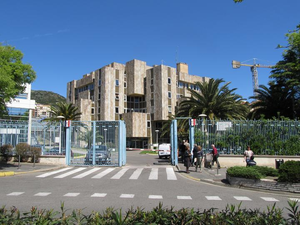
point(159, 157)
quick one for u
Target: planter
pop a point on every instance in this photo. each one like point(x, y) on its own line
point(239, 181)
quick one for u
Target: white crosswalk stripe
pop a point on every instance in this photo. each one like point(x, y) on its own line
point(184, 197)
point(154, 174)
point(54, 172)
point(171, 174)
point(15, 193)
point(86, 173)
point(242, 198)
point(268, 199)
point(135, 173)
point(98, 195)
point(119, 174)
point(43, 194)
point(70, 173)
point(72, 194)
point(213, 198)
point(103, 173)
point(127, 196)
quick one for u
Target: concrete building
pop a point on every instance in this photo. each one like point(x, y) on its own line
point(41, 111)
point(141, 95)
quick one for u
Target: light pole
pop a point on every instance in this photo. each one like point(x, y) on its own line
point(59, 143)
point(202, 116)
point(156, 131)
point(105, 129)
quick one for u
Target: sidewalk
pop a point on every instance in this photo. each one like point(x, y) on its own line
point(13, 168)
point(218, 177)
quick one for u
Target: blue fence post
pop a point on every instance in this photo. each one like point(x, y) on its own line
point(94, 143)
point(68, 143)
point(174, 143)
point(122, 143)
point(192, 134)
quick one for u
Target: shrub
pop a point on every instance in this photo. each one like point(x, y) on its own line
point(6, 152)
point(244, 172)
point(35, 153)
point(266, 171)
point(289, 172)
point(22, 149)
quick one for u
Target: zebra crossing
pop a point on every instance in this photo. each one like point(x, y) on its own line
point(153, 196)
point(112, 173)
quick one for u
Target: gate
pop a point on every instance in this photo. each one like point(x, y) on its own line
point(95, 143)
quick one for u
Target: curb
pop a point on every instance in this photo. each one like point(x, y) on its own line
point(6, 174)
point(12, 173)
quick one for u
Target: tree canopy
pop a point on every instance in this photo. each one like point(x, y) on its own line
point(67, 110)
point(13, 74)
point(214, 101)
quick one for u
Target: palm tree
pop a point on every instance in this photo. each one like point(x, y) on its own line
point(272, 102)
point(214, 101)
point(67, 110)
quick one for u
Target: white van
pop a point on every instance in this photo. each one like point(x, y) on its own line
point(164, 150)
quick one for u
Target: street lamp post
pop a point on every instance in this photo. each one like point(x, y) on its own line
point(105, 130)
point(156, 131)
point(202, 116)
point(59, 143)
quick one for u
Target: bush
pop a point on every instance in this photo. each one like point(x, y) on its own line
point(35, 153)
point(159, 215)
point(266, 171)
point(22, 150)
point(289, 172)
point(244, 172)
point(6, 152)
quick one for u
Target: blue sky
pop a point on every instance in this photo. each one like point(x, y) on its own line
point(65, 39)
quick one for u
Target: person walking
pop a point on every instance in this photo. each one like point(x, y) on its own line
point(215, 156)
point(248, 155)
point(187, 159)
point(195, 150)
point(199, 156)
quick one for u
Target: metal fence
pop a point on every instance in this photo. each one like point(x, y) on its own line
point(97, 143)
point(264, 137)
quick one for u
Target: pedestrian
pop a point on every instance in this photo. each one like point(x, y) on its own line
point(187, 159)
point(215, 156)
point(199, 156)
point(248, 155)
point(182, 150)
point(195, 150)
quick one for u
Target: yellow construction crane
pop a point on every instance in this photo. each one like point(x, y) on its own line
point(253, 67)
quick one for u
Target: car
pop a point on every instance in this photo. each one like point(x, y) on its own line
point(164, 150)
point(103, 155)
point(55, 151)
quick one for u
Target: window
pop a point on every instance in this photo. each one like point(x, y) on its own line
point(125, 98)
point(148, 124)
point(169, 94)
point(170, 108)
point(125, 84)
point(151, 82)
point(117, 96)
point(93, 111)
point(117, 109)
point(180, 84)
point(117, 82)
point(169, 80)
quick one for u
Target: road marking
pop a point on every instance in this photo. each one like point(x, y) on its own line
point(72, 194)
point(70, 173)
point(213, 198)
point(43, 194)
point(99, 195)
point(15, 193)
point(171, 174)
point(86, 173)
point(127, 196)
point(119, 174)
point(155, 197)
point(267, 199)
point(154, 174)
point(242, 198)
point(184, 197)
point(54, 172)
point(136, 174)
point(295, 199)
point(103, 173)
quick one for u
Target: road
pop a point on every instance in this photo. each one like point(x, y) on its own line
point(140, 183)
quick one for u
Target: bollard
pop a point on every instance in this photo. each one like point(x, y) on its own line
point(33, 160)
point(19, 162)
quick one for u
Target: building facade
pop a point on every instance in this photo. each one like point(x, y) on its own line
point(141, 95)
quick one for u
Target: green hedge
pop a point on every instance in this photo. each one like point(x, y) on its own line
point(266, 171)
point(6, 152)
point(159, 215)
point(244, 172)
point(289, 172)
